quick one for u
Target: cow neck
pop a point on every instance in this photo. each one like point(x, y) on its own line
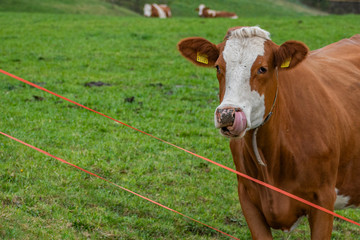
point(266, 119)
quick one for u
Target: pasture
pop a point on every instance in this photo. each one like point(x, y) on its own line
point(148, 85)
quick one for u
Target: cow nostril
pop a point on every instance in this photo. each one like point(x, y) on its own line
point(225, 116)
point(225, 129)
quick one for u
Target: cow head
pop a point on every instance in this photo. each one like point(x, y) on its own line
point(247, 62)
point(201, 9)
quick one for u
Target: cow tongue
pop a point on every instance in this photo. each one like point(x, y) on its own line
point(239, 124)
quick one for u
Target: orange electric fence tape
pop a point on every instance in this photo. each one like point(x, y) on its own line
point(148, 199)
point(206, 159)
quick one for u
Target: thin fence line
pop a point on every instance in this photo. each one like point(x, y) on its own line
point(194, 154)
point(114, 184)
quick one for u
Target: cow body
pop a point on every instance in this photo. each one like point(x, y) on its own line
point(309, 145)
point(208, 13)
point(157, 10)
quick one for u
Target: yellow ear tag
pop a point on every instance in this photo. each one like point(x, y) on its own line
point(202, 58)
point(286, 63)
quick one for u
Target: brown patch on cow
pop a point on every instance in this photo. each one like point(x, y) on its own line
point(225, 14)
point(209, 13)
point(190, 47)
point(164, 7)
point(221, 71)
point(294, 51)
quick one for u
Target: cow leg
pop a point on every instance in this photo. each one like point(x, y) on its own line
point(321, 223)
point(258, 227)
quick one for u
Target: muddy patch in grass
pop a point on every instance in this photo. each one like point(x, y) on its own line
point(96, 84)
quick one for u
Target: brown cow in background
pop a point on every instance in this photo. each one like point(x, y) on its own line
point(157, 10)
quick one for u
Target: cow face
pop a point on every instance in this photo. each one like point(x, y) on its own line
point(201, 9)
point(247, 62)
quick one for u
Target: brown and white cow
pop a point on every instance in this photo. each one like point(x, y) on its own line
point(157, 10)
point(293, 118)
point(208, 13)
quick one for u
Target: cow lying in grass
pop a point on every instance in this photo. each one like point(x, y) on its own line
point(208, 13)
point(157, 10)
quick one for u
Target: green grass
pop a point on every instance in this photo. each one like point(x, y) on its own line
point(98, 7)
point(42, 198)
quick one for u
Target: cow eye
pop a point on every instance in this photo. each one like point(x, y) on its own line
point(218, 69)
point(262, 70)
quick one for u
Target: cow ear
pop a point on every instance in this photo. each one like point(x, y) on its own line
point(199, 51)
point(290, 54)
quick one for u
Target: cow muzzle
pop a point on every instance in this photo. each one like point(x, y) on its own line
point(231, 121)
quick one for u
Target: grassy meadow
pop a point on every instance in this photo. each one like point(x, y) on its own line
point(146, 84)
point(94, 7)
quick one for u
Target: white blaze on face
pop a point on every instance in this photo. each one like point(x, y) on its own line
point(161, 12)
point(147, 10)
point(241, 49)
point(201, 9)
